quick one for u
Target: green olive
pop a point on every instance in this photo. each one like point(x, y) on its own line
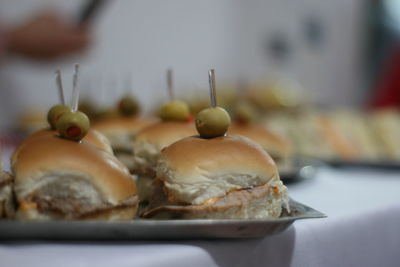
point(87, 107)
point(128, 106)
point(245, 113)
point(212, 122)
point(55, 113)
point(73, 125)
point(175, 111)
point(105, 114)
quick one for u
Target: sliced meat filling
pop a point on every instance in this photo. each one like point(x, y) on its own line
point(71, 208)
point(161, 202)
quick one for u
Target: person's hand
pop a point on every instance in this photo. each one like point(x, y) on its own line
point(47, 37)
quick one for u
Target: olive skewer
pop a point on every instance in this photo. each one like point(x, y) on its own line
point(213, 121)
point(75, 89)
point(60, 87)
point(128, 105)
point(244, 112)
point(174, 110)
point(56, 111)
point(170, 84)
point(73, 125)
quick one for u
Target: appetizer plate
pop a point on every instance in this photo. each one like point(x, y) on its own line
point(154, 229)
point(387, 165)
point(301, 168)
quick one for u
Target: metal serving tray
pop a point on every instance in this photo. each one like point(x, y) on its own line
point(386, 165)
point(301, 168)
point(154, 229)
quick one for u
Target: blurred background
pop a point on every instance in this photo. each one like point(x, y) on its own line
point(332, 52)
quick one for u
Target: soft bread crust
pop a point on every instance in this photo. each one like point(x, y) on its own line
point(269, 141)
point(51, 155)
point(149, 142)
point(163, 134)
point(343, 148)
point(195, 169)
point(121, 131)
point(385, 124)
point(130, 125)
point(94, 137)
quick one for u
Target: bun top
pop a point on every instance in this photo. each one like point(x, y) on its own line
point(52, 154)
point(93, 137)
point(196, 169)
point(163, 134)
point(123, 124)
point(195, 159)
point(269, 141)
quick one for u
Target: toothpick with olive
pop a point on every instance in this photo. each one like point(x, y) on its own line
point(73, 125)
point(174, 110)
point(244, 112)
point(213, 121)
point(56, 111)
point(128, 105)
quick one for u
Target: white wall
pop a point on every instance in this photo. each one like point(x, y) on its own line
point(145, 37)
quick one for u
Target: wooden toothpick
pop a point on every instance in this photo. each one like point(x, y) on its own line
point(75, 89)
point(211, 80)
point(129, 84)
point(60, 87)
point(170, 84)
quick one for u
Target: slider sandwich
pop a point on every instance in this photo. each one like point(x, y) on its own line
point(277, 147)
point(307, 135)
point(216, 175)
point(151, 140)
point(385, 125)
point(65, 177)
point(226, 177)
point(121, 130)
point(6, 194)
point(353, 126)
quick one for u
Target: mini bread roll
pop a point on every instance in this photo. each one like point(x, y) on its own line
point(57, 178)
point(7, 208)
point(278, 148)
point(272, 143)
point(222, 177)
point(149, 142)
point(121, 132)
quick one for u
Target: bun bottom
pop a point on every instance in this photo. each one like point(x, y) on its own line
point(261, 202)
point(29, 211)
point(145, 187)
point(67, 195)
point(127, 159)
point(7, 205)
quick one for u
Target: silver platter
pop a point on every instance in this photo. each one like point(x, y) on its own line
point(385, 165)
point(300, 168)
point(154, 229)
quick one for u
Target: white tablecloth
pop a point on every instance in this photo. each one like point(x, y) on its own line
point(363, 229)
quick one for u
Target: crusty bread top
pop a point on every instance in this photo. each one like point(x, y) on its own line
point(269, 141)
point(194, 159)
point(163, 134)
point(94, 137)
point(131, 125)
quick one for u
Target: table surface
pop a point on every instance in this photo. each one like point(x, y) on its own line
point(362, 229)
